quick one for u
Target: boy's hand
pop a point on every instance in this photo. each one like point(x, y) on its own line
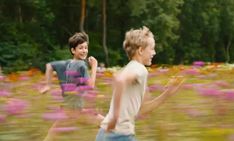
point(175, 83)
point(175, 80)
point(45, 89)
point(111, 125)
point(92, 61)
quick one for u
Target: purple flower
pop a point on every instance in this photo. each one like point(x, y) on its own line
point(2, 78)
point(68, 87)
point(88, 111)
point(83, 88)
point(228, 94)
point(56, 92)
point(15, 106)
point(155, 87)
point(57, 115)
point(221, 83)
point(209, 92)
point(4, 93)
point(2, 118)
point(198, 63)
point(188, 86)
point(100, 74)
point(191, 71)
point(64, 129)
point(23, 78)
point(89, 96)
point(81, 80)
point(193, 112)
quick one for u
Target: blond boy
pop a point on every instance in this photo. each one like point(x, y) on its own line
point(130, 84)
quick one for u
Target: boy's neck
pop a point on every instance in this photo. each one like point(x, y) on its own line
point(76, 59)
point(138, 59)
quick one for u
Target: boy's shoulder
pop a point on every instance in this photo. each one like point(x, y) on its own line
point(136, 66)
point(76, 64)
point(79, 63)
point(60, 63)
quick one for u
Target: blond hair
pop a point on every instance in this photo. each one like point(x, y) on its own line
point(136, 38)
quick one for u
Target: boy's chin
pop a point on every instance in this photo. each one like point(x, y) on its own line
point(81, 58)
point(148, 64)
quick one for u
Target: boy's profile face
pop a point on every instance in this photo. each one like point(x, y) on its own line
point(80, 52)
point(148, 52)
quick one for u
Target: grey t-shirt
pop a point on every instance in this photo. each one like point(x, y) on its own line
point(70, 71)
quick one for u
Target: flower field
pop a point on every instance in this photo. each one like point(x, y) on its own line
point(202, 110)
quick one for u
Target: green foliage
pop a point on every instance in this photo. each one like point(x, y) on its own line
point(185, 30)
point(17, 56)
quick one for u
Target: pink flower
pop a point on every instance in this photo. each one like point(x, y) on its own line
point(68, 87)
point(2, 78)
point(191, 71)
point(89, 96)
point(100, 74)
point(222, 83)
point(163, 70)
point(209, 92)
point(56, 93)
point(88, 111)
point(4, 93)
point(23, 78)
point(65, 129)
point(15, 106)
point(83, 88)
point(57, 115)
point(228, 94)
point(155, 87)
point(188, 86)
point(2, 118)
point(193, 112)
point(198, 63)
point(81, 80)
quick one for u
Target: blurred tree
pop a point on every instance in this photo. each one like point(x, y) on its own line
point(35, 32)
point(104, 32)
point(198, 31)
point(161, 17)
point(226, 28)
point(82, 16)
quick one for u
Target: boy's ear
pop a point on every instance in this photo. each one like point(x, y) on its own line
point(140, 49)
point(73, 50)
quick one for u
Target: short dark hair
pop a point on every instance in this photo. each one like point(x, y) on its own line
point(76, 39)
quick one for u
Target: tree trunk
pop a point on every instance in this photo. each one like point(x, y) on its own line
point(82, 16)
point(104, 32)
point(227, 50)
point(20, 19)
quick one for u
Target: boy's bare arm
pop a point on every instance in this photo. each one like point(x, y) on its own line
point(171, 88)
point(48, 75)
point(93, 63)
point(120, 82)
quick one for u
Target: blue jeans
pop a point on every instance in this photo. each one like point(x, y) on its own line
point(111, 136)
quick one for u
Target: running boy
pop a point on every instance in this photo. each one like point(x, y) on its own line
point(74, 78)
point(129, 99)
